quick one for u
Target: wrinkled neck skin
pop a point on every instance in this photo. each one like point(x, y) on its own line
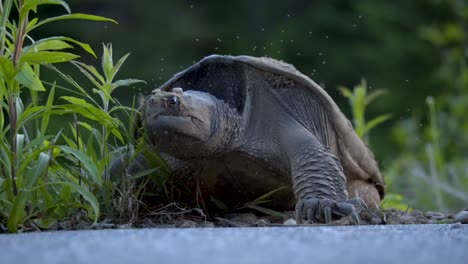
point(225, 127)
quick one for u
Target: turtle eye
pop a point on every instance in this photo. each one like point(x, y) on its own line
point(173, 100)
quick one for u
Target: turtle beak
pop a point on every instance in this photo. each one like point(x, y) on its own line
point(164, 103)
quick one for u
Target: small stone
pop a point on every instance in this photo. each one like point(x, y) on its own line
point(188, 223)
point(393, 219)
point(417, 213)
point(435, 215)
point(366, 216)
point(124, 226)
point(290, 221)
point(248, 218)
point(376, 220)
point(207, 224)
point(262, 222)
point(421, 219)
point(407, 219)
point(461, 217)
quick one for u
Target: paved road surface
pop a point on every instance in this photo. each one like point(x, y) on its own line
point(444, 244)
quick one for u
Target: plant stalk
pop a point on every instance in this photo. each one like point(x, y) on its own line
point(13, 123)
point(19, 42)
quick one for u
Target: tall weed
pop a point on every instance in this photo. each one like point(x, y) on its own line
point(48, 176)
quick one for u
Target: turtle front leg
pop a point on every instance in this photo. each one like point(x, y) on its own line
point(319, 183)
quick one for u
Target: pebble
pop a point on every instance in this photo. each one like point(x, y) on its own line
point(290, 221)
point(376, 220)
point(188, 223)
point(461, 217)
point(262, 222)
point(249, 219)
point(435, 215)
point(407, 219)
point(393, 219)
point(417, 213)
point(207, 224)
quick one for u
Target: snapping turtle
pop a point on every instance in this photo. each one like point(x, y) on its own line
point(235, 128)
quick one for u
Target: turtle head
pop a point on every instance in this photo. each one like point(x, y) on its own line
point(185, 124)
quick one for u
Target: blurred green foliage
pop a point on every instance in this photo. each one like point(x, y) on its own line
point(359, 100)
point(432, 169)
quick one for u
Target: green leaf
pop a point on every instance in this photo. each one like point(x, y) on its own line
point(43, 57)
point(144, 173)
point(7, 71)
point(267, 211)
point(71, 81)
point(117, 134)
point(31, 5)
point(28, 78)
point(105, 91)
point(117, 66)
point(20, 141)
point(35, 157)
point(17, 214)
point(49, 104)
point(45, 223)
point(32, 112)
point(87, 110)
point(219, 204)
point(374, 122)
point(41, 42)
point(359, 102)
point(4, 15)
point(394, 201)
point(107, 61)
point(88, 196)
point(345, 92)
point(264, 198)
point(373, 95)
point(52, 44)
point(87, 163)
point(32, 22)
point(73, 16)
point(90, 69)
point(37, 169)
point(80, 102)
point(37, 142)
point(126, 82)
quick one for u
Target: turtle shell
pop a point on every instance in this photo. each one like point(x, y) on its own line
point(225, 77)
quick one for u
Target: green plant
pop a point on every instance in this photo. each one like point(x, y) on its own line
point(431, 170)
point(256, 204)
point(48, 176)
point(359, 99)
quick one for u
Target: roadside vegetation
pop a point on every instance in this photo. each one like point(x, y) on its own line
point(431, 170)
point(49, 175)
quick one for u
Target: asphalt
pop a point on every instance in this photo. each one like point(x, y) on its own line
point(444, 244)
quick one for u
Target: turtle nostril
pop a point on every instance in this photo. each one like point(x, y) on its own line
point(173, 100)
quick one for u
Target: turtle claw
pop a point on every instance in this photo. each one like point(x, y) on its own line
point(327, 214)
point(354, 219)
point(325, 210)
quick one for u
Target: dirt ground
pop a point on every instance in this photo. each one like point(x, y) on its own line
point(175, 216)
